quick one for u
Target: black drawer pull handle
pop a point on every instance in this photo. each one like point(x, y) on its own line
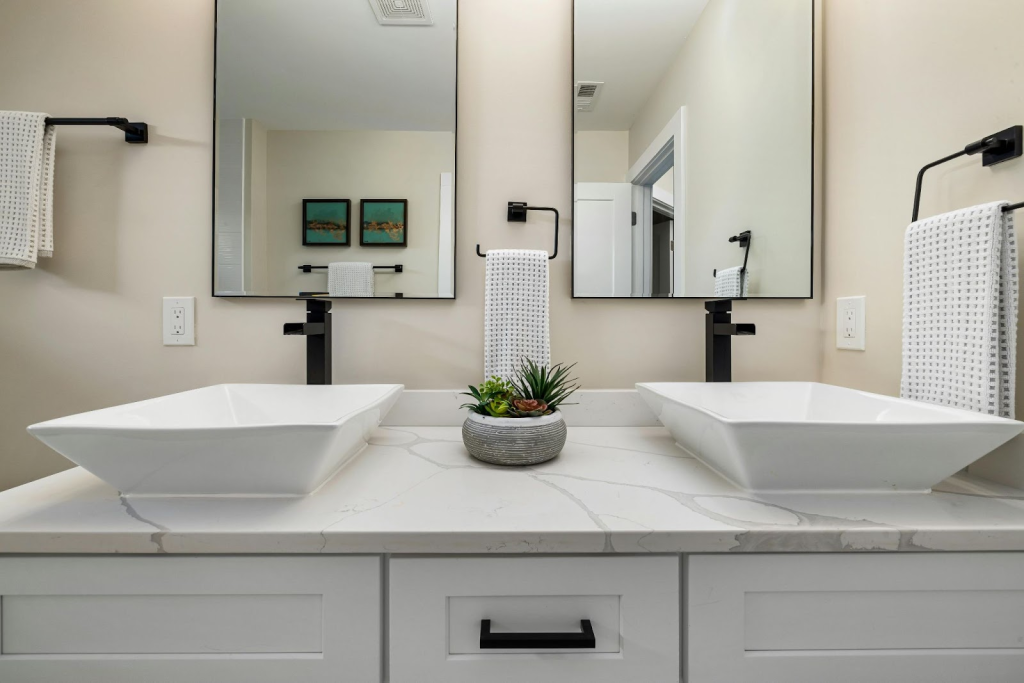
point(510, 641)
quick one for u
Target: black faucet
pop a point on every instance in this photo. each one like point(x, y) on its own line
point(719, 330)
point(317, 330)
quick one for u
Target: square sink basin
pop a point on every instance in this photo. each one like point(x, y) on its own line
point(224, 440)
point(806, 437)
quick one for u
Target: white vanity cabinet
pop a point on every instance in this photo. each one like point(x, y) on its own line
point(197, 619)
point(742, 618)
point(851, 618)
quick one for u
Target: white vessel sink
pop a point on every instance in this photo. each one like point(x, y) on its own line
point(228, 439)
point(808, 437)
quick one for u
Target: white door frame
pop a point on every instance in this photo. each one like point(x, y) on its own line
point(666, 151)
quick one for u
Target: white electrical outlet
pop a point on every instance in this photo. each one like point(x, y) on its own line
point(850, 323)
point(179, 321)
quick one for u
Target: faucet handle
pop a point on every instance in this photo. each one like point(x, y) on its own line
point(720, 305)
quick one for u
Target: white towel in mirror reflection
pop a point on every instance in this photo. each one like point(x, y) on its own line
point(732, 283)
point(350, 278)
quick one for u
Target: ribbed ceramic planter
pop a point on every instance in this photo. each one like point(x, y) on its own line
point(514, 440)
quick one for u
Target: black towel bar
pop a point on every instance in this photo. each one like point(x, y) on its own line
point(306, 268)
point(517, 214)
point(136, 132)
point(744, 239)
point(994, 149)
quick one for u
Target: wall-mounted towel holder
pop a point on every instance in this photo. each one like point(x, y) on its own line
point(136, 132)
point(306, 268)
point(517, 214)
point(744, 239)
point(322, 295)
point(994, 149)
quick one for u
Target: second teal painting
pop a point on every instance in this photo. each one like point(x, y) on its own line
point(383, 222)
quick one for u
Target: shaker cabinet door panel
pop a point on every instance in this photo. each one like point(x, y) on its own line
point(935, 618)
point(217, 619)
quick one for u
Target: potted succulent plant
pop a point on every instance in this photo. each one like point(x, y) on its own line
point(516, 421)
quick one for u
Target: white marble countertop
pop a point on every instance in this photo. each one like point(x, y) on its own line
point(416, 490)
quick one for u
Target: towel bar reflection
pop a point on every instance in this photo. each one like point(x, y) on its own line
point(517, 214)
point(306, 268)
point(136, 132)
point(744, 239)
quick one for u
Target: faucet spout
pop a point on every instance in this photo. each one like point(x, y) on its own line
point(305, 329)
point(735, 329)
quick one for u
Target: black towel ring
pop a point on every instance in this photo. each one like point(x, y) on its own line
point(517, 214)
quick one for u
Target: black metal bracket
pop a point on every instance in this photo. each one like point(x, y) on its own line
point(517, 214)
point(994, 149)
point(307, 268)
point(1002, 146)
point(136, 132)
point(537, 641)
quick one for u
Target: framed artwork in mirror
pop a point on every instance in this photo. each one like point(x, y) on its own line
point(383, 222)
point(325, 222)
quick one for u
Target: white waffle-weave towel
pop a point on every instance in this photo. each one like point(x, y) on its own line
point(26, 188)
point(515, 311)
point(728, 282)
point(350, 278)
point(960, 310)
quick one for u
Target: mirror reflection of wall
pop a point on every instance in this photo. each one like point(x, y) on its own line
point(693, 123)
point(329, 100)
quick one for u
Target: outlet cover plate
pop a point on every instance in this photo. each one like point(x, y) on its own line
point(179, 321)
point(850, 323)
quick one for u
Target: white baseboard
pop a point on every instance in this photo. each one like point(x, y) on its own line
point(594, 408)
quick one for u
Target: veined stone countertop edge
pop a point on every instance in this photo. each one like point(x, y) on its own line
point(415, 490)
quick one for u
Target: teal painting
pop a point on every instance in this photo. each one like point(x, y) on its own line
point(325, 222)
point(383, 222)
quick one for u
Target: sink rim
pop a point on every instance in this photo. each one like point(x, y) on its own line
point(791, 454)
point(960, 417)
point(56, 426)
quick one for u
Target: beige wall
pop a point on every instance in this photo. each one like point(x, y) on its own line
point(744, 76)
point(909, 82)
point(601, 156)
point(133, 225)
point(354, 165)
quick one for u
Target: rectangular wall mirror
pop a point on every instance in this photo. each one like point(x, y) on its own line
point(335, 143)
point(693, 142)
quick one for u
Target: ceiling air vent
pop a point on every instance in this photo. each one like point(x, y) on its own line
point(586, 94)
point(402, 12)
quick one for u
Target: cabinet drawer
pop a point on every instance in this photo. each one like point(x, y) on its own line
point(438, 607)
point(222, 619)
point(807, 618)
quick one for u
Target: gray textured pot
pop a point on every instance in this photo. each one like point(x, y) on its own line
point(514, 440)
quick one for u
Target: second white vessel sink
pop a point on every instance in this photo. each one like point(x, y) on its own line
point(808, 437)
point(227, 439)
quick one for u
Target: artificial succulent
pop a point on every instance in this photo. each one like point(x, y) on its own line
point(534, 391)
point(493, 398)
